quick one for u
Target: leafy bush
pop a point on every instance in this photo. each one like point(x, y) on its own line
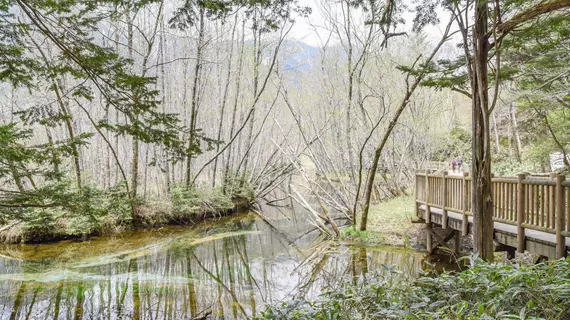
point(190, 202)
point(512, 168)
point(484, 291)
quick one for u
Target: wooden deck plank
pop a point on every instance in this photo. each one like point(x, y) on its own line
point(501, 227)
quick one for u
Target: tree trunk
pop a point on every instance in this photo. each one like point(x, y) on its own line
point(162, 49)
point(135, 145)
point(497, 143)
point(377, 154)
point(482, 202)
point(410, 89)
point(194, 110)
point(235, 107)
point(224, 99)
point(516, 133)
point(256, 65)
point(350, 95)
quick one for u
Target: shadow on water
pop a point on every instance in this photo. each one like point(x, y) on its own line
point(226, 269)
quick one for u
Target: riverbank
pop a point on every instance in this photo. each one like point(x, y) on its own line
point(389, 223)
point(111, 211)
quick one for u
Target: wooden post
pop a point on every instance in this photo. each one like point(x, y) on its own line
point(429, 240)
point(416, 192)
point(465, 205)
point(428, 210)
point(521, 195)
point(457, 241)
point(444, 200)
point(560, 206)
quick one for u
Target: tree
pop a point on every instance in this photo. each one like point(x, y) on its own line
point(97, 71)
point(416, 74)
point(479, 52)
point(536, 63)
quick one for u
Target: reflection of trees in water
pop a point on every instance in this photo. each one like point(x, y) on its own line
point(230, 277)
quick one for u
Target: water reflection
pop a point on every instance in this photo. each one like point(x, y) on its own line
point(228, 269)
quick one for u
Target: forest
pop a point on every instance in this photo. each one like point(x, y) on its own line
point(175, 159)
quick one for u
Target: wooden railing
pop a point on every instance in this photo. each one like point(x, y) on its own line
point(528, 202)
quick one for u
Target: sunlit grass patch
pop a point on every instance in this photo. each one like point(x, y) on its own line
point(390, 221)
point(349, 233)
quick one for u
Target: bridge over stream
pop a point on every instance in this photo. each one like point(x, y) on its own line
point(531, 213)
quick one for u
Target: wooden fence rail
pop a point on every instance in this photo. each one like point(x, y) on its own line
point(527, 202)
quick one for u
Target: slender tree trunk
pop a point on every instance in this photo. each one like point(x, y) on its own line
point(497, 144)
point(349, 119)
point(162, 49)
point(135, 144)
point(224, 98)
point(377, 154)
point(192, 142)
point(556, 141)
point(516, 133)
point(410, 89)
point(256, 65)
point(236, 104)
point(54, 157)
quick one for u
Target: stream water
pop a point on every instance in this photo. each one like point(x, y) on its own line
point(229, 268)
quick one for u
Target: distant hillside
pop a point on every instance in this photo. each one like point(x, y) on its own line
point(297, 55)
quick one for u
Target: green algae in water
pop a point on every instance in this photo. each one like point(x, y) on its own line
point(231, 268)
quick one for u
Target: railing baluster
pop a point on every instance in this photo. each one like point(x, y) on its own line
point(521, 194)
point(531, 204)
point(542, 205)
point(444, 199)
point(465, 204)
point(550, 219)
point(560, 239)
point(428, 210)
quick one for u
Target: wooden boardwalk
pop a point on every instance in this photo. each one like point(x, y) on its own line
point(531, 213)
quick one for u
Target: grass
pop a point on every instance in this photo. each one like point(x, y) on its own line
point(389, 222)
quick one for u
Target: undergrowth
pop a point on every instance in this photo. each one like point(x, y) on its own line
point(484, 291)
point(62, 211)
point(352, 234)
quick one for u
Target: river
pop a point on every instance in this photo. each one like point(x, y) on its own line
point(228, 268)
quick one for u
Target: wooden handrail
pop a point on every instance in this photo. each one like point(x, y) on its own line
point(527, 202)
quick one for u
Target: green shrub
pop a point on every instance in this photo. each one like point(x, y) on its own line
point(512, 168)
point(238, 188)
point(484, 291)
point(188, 203)
point(70, 212)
